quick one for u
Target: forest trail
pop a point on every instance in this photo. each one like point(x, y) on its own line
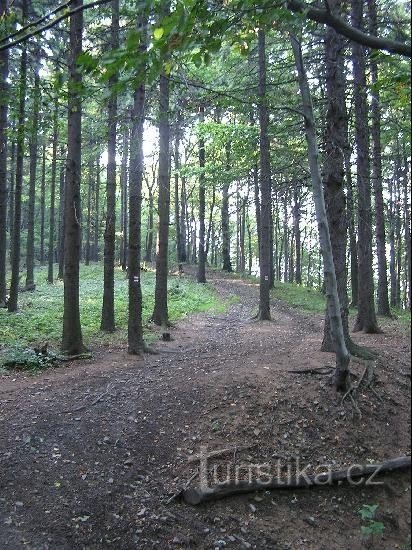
point(91, 452)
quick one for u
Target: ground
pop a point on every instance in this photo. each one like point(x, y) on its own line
point(92, 452)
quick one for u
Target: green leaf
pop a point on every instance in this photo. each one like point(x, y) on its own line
point(158, 33)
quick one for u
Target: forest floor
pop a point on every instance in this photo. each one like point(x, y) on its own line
point(91, 452)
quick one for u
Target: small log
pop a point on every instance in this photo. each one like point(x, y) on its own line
point(195, 496)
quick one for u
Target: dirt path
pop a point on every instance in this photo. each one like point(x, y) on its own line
point(91, 452)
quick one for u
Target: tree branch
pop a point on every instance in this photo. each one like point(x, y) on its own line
point(343, 28)
point(51, 24)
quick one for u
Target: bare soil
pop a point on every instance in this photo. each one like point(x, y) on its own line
point(91, 452)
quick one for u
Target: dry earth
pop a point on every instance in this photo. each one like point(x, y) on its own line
point(90, 453)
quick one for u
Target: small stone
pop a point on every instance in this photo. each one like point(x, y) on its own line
point(252, 507)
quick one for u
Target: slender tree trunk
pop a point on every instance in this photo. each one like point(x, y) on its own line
point(406, 210)
point(383, 298)
point(366, 319)
point(265, 186)
point(108, 322)
point(178, 218)
point(183, 224)
point(210, 227)
point(286, 236)
point(15, 256)
point(334, 308)
point(4, 99)
point(61, 213)
point(353, 246)
point(201, 271)
point(296, 227)
point(12, 179)
point(43, 202)
point(90, 186)
point(30, 284)
point(150, 228)
point(135, 341)
point(50, 271)
point(72, 341)
point(96, 253)
point(160, 314)
point(124, 192)
point(227, 263)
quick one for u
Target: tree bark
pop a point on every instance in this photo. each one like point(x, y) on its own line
point(383, 298)
point(50, 271)
point(366, 319)
point(72, 341)
point(265, 186)
point(135, 341)
point(124, 198)
point(201, 270)
point(4, 99)
point(227, 263)
point(43, 202)
point(61, 212)
point(341, 378)
point(160, 313)
point(15, 256)
point(30, 284)
point(108, 322)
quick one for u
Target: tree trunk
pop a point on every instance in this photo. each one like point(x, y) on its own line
point(15, 256)
point(160, 314)
point(265, 186)
point(124, 198)
point(383, 298)
point(61, 213)
point(366, 319)
point(334, 309)
point(407, 220)
point(135, 342)
point(96, 254)
point(4, 95)
point(30, 284)
point(72, 342)
point(43, 202)
point(108, 323)
point(183, 224)
point(50, 273)
point(90, 186)
point(201, 271)
point(227, 263)
point(296, 227)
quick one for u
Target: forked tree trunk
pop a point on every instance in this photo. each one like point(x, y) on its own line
point(30, 285)
point(135, 341)
point(108, 322)
point(72, 341)
point(4, 92)
point(201, 270)
point(15, 255)
point(333, 304)
point(265, 187)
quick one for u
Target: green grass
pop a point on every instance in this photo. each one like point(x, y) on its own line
point(300, 297)
point(40, 314)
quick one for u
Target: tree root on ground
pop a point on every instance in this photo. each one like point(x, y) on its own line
point(366, 382)
point(367, 472)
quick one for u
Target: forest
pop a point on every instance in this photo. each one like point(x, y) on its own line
point(205, 274)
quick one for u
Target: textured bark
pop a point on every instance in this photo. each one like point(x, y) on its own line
point(334, 173)
point(43, 202)
point(12, 181)
point(4, 92)
point(366, 318)
point(201, 269)
point(160, 313)
point(108, 322)
point(265, 186)
point(227, 263)
point(383, 298)
point(50, 271)
point(72, 342)
point(407, 220)
point(96, 252)
point(30, 284)
point(333, 304)
point(353, 246)
point(90, 185)
point(392, 263)
point(15, 255)
point(183, 222)
point(135, 342)
point(296, 228)
point(61, 212)
point(150, 228)
point(124, 199)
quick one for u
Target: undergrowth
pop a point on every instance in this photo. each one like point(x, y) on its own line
point(40, 314)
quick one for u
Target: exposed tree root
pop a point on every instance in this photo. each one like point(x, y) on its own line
point(366, 381)
point(196, 496)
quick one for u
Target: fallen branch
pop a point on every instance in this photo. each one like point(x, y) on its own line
point(195, 496)
point(94, 402)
